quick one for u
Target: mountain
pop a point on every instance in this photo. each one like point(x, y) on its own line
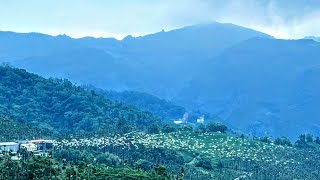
point(259, 84)
point(161, 107)
point(22, 45)
point(159, 64)
point(117, 147)
point(82, 66)
point(58, 106)
point(313, 38)
point(12, 130)
point(202, 38)
point(262, 86)
point(167, 110)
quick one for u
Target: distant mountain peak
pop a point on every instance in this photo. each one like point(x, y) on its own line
point(128, 38)
point(315, 38)
point(63, 36)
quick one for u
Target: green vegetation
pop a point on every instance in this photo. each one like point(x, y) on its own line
point(12, 130)
point(102, 139)
point(165, 109)
point(160, 107)
point(208, 155)
point(58, 106)
point(48, 168)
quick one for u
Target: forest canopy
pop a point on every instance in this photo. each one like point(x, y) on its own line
point(59, 106)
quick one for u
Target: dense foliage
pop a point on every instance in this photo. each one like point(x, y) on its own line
point(12, 130)
point(49, 168)
point(208, 155)
point(106, 139)
point(59, 106)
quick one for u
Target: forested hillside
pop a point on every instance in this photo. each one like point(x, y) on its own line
point(13, 130)
point(161, 107)
point(252, 81)
point(120, 140)
point(59, 106)
point(166, 109)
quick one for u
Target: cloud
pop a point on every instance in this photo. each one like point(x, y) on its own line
point(280, 18)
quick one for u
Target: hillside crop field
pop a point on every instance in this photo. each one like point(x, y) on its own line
point(223, 156)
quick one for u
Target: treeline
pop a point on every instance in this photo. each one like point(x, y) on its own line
point(56, 105)
point(49, 168)
point(303, 141)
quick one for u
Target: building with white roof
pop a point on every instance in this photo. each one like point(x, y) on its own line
point(9, 146)
point(29, 146)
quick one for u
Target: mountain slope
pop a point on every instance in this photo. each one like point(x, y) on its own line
point(83, 66)
point(159, 64)
point(262, 86)
point(12, 130)
point(20, 45)
point(212, 37)
point(167, 110)
point(213, 155)
point(147, 102)
point(59, 106)
point(313, 38)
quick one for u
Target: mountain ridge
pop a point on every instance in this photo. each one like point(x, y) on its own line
point(152, 58)
point(259, 80)
point(182, 65)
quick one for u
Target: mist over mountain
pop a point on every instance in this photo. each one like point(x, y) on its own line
point(265, 86)
point(161, 89)
point(162, 63)
point(251, 80)
point(313, 38)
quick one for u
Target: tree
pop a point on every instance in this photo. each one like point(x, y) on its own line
point(284, 141)
point(309, 138)
point(301, 142)
point(187, 128)
point(108, 159)
point(168, 128)
point(204, 163)
point(216, 127)
point(58, 106)
point(265, 139)
point(201, 128)
point(242, 136)
point(153, 129)
point(220, 165)
point(144, 164)
point(181, 174)
point(161, 171)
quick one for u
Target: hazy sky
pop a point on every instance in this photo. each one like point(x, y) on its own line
point(118, 18)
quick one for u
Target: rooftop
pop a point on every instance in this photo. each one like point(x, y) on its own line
point(8, 144)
